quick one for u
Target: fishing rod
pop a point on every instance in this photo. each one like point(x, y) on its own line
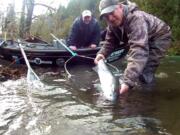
point(65, 46)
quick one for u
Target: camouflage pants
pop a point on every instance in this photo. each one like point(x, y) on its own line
point(157, 51)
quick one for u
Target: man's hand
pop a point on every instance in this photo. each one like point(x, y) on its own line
point(124, 89)
point(93, 46)
point(98, 57)
point(72, 47)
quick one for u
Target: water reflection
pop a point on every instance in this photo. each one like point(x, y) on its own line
point(67, 107)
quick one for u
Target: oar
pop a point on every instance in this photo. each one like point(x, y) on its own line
point(73, 53)
point(30, 71)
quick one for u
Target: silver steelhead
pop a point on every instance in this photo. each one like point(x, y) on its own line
point(109, 83)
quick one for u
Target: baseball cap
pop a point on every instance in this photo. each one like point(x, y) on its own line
point(108, 6)
point(86, 13)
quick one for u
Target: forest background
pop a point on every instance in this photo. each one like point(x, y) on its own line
point(59, 21)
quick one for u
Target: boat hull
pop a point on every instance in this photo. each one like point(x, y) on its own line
point(48, 54)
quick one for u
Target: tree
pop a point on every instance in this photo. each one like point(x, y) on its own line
point(22, 20)
point(10, 24)
point(28, 22)
point(26, 18)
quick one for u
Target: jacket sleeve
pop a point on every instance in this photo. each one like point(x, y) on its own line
point(139, 50)
point(73, 34)
point(96, 34)
point(110, 43)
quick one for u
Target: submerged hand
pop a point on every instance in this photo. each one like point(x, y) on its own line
point(72, 47)
point(124, 89)
point(93, 46)
point(98, 57)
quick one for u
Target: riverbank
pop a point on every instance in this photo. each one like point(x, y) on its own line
point(10, 70)
point(13, 71)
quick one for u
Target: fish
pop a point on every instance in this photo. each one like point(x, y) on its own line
point(108, 82)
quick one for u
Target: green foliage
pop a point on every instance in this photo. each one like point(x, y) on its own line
point(175, 49)
point(167, 10)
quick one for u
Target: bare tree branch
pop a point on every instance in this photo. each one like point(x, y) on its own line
point(44, 5)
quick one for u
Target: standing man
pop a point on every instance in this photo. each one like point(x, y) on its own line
point(85, 32)
point(147, 37)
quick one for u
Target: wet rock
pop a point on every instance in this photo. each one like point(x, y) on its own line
point(8, 74)
point(141, 125)
point(77, 111)
point(162, 75)
point(3, 78)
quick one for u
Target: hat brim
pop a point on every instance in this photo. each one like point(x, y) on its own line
point(86, 16)
point(107, 10)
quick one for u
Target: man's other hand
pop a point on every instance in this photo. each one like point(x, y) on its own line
point(124, 89)
point(98, 57)
point(72, 47)
point(93, 46)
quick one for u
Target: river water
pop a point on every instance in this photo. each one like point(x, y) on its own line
point(74, 107)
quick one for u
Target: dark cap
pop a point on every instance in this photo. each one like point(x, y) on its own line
point(108, 6)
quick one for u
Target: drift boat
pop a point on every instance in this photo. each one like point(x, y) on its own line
point(40, 52)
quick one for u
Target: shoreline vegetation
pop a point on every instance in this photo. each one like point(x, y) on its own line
point(11, 70)
point(59, 21)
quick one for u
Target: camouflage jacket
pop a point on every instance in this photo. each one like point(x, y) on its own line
point(137, 31)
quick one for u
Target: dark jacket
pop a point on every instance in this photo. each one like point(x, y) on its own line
point(140, 31)
point(83, 35)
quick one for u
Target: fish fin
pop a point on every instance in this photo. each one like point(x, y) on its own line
point(97, 86)
point(95, 68)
